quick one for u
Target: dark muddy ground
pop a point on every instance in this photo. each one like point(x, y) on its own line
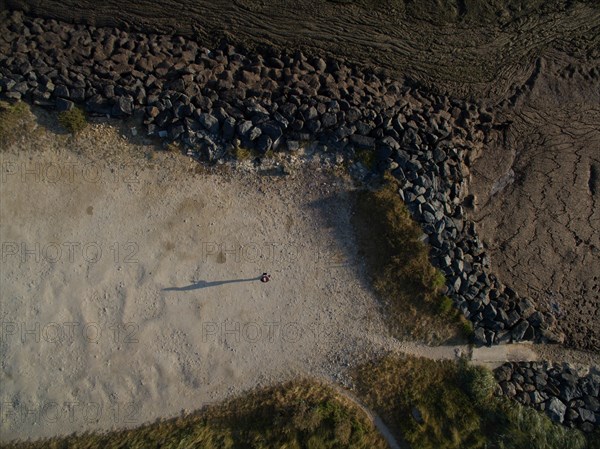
point(537, 197)
point(536, 62)
point(467, 47)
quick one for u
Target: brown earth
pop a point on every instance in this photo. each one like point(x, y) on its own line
point(468, 48)
point(536, 62)
point(537, 197)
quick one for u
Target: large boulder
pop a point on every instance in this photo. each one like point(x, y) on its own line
point(556, 410)
point(123, 106)
point(209, 122)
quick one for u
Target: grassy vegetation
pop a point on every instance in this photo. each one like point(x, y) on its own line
point(296, 415)
point(526, 427)
point(73, 121)
point(14, 120)
point(398, 264)
point(243, 154)
point(447, 405)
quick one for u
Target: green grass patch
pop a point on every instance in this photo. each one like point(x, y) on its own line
point(398, 265)
point(445, 306)
point(14, 120)
point(520, 426)
point(295, 415)
point(466, 326)
point(448, 405)
point(74, 121)
point(243, 154)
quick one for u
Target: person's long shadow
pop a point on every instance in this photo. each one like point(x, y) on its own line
point(205, 284)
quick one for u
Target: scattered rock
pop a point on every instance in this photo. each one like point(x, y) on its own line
point(209, 122)
point(63, 104)
point(123, 107)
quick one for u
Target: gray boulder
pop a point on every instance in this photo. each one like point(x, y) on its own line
point(229, 128)
point(123, 106)
point(244, 127)
point(264, 144)
point(556, 410)
point(362, 141)
point(209, 122)
point(254, 133)
point(62, 104)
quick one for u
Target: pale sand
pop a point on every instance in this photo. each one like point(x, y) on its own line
point(90, 344)
point(176, 350)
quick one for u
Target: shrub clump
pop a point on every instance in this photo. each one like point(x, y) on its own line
point(398, 264)
point(526, 427)
point(73, 120)
point(478, 382)
point(242, 154)
point(13, 120)
point(448, 405)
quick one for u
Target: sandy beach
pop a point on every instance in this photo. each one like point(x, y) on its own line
point(131, 293)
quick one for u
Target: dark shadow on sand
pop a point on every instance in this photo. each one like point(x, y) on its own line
point(204, 284)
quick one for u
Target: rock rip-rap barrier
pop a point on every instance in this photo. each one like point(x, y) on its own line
point(559, 390)
point(213, 101)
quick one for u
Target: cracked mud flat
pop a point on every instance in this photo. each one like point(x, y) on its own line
point(537, 197)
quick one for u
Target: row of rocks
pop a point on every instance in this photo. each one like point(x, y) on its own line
point(214, 101)
point(432, 185)
point(558, 390)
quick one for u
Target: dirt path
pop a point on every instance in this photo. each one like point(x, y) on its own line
point(492, 356)
point(385, 431)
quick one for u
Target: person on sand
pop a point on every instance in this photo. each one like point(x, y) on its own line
point(265, 277)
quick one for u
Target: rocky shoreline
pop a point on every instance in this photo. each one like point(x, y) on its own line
point(215, 101)
point(558, 390)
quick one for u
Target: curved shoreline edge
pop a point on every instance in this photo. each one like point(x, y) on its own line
point(214, 101)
